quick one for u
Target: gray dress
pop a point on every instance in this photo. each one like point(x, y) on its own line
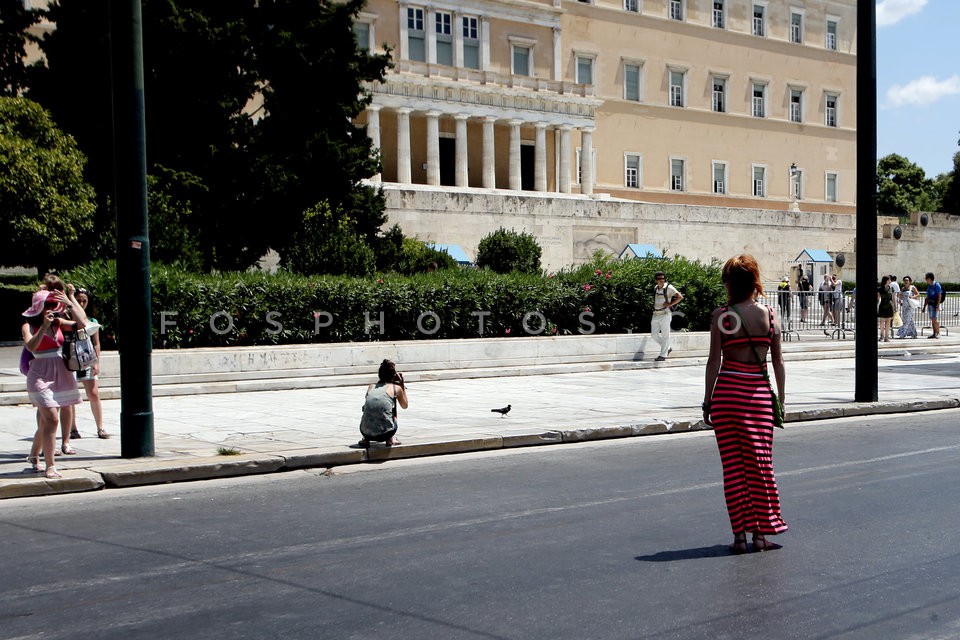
point(379, 421)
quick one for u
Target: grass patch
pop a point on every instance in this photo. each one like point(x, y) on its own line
point(228, 451)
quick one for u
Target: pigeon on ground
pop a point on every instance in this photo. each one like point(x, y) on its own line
point(502, 411)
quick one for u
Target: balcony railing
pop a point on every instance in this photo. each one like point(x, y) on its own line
point(461, 74)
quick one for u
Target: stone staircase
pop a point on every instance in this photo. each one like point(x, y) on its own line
point(243, 369)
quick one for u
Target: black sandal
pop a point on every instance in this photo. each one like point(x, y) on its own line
point(760, 543)
point(739, 546)
point(364, 443)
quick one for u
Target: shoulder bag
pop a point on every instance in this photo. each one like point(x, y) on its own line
point(774, 398)
point(79, 354)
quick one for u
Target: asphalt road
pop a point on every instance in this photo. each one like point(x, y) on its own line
point(622, 539)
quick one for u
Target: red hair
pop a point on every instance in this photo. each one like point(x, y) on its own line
point(742, 274)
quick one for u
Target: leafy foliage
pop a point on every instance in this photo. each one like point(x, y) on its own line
point(328, 243)
point(45, 202)
point(605, 296)
point(902, 188)
point(505, 251)
point(416, 255)
point(170, 197)
point(252, 132)
point(951, 191)
point(305, 45)
point(15, 20)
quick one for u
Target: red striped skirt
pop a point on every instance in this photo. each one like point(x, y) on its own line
point(742, 414)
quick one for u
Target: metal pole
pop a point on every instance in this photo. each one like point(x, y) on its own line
point(866, 305)
point(133, 244)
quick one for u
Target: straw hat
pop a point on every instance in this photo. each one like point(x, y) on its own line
point(38, 303)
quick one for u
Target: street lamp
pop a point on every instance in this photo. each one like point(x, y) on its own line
point(794, 176)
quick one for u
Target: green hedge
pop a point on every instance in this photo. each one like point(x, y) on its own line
point(618, 294)
point(14, 299)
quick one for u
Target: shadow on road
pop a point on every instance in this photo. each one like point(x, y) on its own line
point(716, 551)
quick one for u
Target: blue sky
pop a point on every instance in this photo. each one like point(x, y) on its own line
point(918, 81)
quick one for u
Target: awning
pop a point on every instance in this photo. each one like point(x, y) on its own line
point(455, 251)
point(813, 255)
point(634, 251)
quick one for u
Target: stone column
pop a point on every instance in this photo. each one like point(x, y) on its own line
point(484, 43)
point(515, 181)
point(586, 161)
point(373, 130)
point(431, 34)
point(404, 49)
point(433, 148)
point(462, 172)
point(403, 146)
point(540, 158)
point(557, 55)
point(565, 159)
point(457, 40)
point(489, 159)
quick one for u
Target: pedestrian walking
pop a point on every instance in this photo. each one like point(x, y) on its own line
point(826, 300)
point(885, 308)
point(665, 297)
point(783, 302)
point(805, 288)
point(379, 421)
point(89, 377)
point(895, 287)
point(837, 299)
point(932, 302)
point(910, 298)
point(897, 321)
point(739, 403)
point(50, 385)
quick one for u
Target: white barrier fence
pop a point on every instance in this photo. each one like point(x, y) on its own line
point(802, 312)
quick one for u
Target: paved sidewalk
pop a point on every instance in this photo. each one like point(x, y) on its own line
point(281, 430)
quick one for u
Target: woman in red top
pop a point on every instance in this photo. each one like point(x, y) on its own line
point(739, 404)
point(50, 384)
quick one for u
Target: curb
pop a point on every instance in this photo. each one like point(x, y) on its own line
point(151, 472)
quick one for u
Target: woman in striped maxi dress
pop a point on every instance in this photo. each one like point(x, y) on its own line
point(739, 404)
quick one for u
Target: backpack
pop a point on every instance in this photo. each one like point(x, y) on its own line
point(666, 300)
point(25, 357)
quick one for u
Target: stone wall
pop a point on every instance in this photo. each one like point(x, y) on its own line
point(921, 248)
point(571, 228)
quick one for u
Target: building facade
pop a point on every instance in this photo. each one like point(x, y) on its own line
point(719, 103)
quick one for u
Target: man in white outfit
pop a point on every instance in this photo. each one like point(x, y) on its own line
point(665, 297)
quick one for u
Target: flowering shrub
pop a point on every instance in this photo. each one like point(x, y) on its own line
point(604, 296)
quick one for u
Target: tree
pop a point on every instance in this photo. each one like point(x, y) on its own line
point(15, 22)
point(416, 255)
point(505, 251)
point(307, 148)
point(170, 197)
point(328, 242)
point(197, 62)
point(902, 187)
point(951, 195)
point(231, 100)
point(45, 205)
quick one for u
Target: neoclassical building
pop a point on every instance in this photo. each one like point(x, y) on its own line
point(742, 103)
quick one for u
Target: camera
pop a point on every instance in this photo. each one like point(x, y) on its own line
point(57, 314)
